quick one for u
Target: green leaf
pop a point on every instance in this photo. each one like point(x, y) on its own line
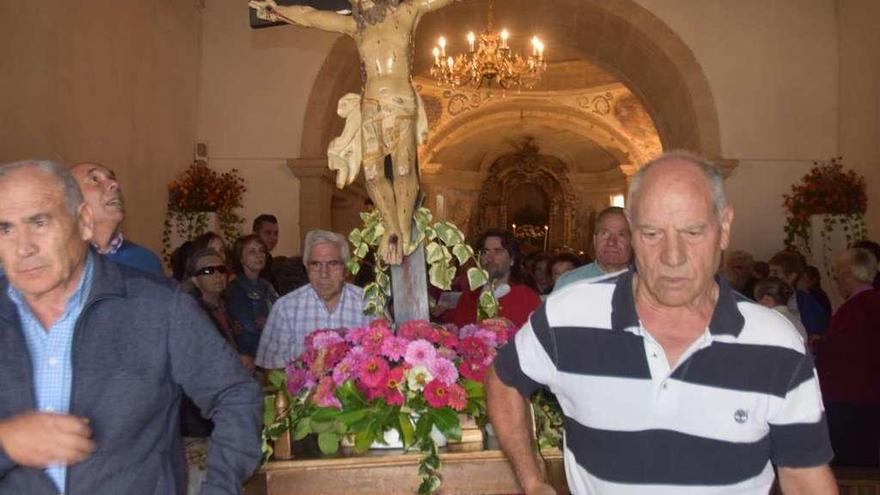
point(434, 253)
point(406, 429)
point(430, 484)
point(276, 378)
point(351, 417)
point(440, 277)
point(363, 439)
point(477, 277)
point(268, 410)
point(353, 267)
point(446, 420)
point(303, 428)
point(371, 290)
point(474, 389)
point(463, 253)
point(328, 442)
point(323, 426)
point(430, 233)
point(424, 425)
point(355, 237)
point(487, 305)
point(448, 233)
point(362, 250)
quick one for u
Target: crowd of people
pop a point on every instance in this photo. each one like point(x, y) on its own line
point(105, 352)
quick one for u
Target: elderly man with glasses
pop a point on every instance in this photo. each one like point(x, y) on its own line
point(326, 302)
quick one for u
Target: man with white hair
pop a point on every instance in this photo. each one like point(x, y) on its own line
point(670, 381)
point(848, 366)
point(326, 302)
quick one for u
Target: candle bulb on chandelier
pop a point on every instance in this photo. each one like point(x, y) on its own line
point(442, 43)
point(449, 63)
point(504, 36)
point(540, 50)
point(471, 39)
point(436, 53)
point(535, 45)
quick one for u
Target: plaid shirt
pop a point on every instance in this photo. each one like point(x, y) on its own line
point(51, 355)
point(300, 312)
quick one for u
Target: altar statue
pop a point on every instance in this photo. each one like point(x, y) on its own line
point(386, 123)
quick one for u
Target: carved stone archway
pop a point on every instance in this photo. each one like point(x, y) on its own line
point(547, 173)
point(621, 36)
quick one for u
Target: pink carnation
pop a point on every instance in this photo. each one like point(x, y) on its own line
point(418, 329)
point(473, 370)
point(321, 339)
point(299, 379)
point(325, 394)
point(457, 397)
point(372, 372)
point(394, 347)
point(420, 352)
point(355, 335)
point(473, 349)
point(443, 370)
point(373, 339)
point(344, 370)
point(436, 394)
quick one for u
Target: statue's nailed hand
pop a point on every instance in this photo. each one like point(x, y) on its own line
point(265, 9)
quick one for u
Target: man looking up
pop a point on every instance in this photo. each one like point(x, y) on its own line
point(326, 302)
point(101, 192)
point(500, 256)
point(266, 228)
point(669, 381)
point(96, 356)
point(611, 242)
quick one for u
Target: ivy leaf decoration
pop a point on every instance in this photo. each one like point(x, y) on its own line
point(477, 277)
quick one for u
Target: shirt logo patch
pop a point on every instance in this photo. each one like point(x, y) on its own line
point(741, 416)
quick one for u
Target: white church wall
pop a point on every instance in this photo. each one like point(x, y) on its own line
point(254, 85)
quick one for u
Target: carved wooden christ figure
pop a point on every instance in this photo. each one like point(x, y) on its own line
point(384, 123)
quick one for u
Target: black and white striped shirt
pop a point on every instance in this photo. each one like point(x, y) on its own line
point(744, 396)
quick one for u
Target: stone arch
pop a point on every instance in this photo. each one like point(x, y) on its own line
point(621, 36)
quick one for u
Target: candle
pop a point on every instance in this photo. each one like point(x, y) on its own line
point(450, 63)
point(535, 45)
point(514, 229)
point(540, 50)
point(442, 43)
point(546, 237)
point(471, 38)
point(504, 36)
point(436, 53)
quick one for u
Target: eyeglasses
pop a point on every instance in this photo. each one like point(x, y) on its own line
point(210, 270)
point(331, 265)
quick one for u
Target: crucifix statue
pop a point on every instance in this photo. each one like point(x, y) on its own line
point(386, 124)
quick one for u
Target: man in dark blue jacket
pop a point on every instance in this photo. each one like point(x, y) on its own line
point(789, 266)
point(95, 357)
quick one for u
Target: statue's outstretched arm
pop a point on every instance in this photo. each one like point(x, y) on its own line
point(302, 15)
point(432, 5)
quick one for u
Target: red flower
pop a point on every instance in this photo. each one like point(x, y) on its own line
point(457, 397)
point(372, 372)
point(473, 370)
point(436, 394)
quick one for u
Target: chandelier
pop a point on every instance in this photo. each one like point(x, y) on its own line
point(489, 60)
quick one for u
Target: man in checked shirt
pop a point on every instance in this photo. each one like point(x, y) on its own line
point(326, 302)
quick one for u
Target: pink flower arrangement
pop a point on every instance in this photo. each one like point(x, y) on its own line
point(420, 363)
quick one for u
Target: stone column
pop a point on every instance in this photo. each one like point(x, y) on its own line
point(316, 188)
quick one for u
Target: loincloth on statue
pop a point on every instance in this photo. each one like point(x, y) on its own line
point(375, 128)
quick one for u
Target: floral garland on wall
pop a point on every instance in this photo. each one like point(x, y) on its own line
point(195, 193)
point(827, 189)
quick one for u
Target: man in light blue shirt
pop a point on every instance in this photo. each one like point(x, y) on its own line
point(96, 357)
point(611, 243)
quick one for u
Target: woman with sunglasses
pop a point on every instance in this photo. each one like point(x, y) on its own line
point(249, 297)
point(208, 274)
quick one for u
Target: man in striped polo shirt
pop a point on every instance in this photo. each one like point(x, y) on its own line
point(671, 383)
